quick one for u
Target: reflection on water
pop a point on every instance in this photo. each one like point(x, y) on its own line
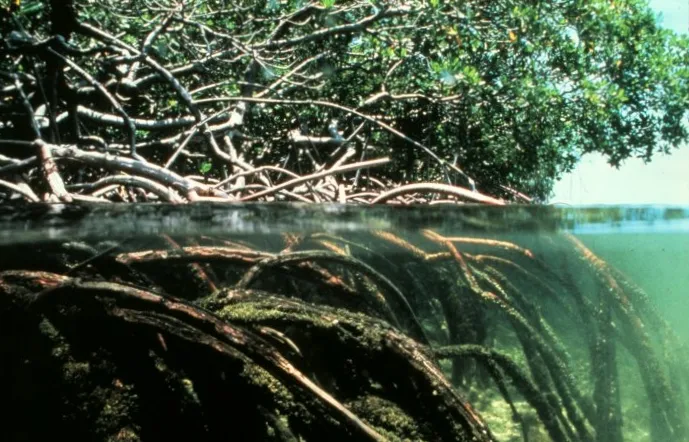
point(380, 323)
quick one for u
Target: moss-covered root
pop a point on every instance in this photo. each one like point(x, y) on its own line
point(402, 312)
point(357, 358)
point(204, 331)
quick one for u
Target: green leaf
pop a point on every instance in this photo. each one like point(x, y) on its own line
point(205, 167)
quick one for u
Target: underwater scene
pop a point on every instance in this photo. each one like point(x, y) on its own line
point(298, 322)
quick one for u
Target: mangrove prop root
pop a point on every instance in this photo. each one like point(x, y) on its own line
point(295, 257)
point(667, 422)
point(398, 364)
point(531, 339)
point(550, 415)
point(213, 332)
point(319, 343)
point(607, 388)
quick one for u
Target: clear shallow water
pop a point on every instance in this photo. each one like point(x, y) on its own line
point(525, 313)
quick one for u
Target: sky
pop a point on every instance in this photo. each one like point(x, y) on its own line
point(665, 180)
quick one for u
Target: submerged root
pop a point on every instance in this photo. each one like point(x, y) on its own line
point(375, 336)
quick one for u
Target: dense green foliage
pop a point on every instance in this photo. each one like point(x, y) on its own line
point(510, 92)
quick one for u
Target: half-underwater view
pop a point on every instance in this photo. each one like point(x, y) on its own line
point(344, 220)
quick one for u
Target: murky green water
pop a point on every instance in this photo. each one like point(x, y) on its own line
point(382, 323)
point(658, 263)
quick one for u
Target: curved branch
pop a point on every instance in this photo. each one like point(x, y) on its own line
point(366, 117)
point(147, 170)
point(176, 85)
point(325, 33)
point(438, 188)
point(18, 189)
point(129, 124)
point(165, 193)
point(313, 176)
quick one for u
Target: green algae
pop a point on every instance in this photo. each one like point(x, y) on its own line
point(388, 418)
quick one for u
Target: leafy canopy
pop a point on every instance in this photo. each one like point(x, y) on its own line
point(512, 93)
